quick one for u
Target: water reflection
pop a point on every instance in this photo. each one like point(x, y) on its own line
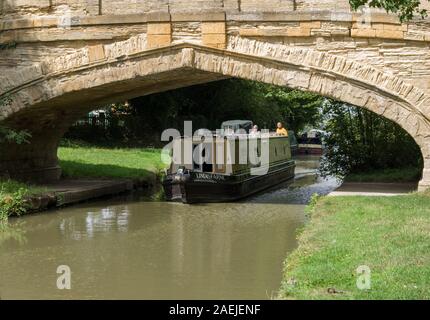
point(104, 220)
point(14, 232)
point(133, 248)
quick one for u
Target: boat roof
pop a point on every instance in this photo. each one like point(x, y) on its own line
point(237, 123)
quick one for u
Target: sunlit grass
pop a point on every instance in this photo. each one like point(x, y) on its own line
point(391, 235)
point(87, 161)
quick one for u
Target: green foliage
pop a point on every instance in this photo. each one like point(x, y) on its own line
point(13, 136)
point(159, 195)
point(13, 196)
point(13, 204)
point(297, 108)
point(405, 9)
point(360, 141)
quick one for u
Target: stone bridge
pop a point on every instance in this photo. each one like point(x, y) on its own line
point(60, 58)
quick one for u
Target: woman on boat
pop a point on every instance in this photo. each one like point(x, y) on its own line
point(281, 131)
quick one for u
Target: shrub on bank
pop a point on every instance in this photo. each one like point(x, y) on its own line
point(13, 198)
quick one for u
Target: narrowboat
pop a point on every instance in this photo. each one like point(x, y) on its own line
point(311, 143)
point(232, 165)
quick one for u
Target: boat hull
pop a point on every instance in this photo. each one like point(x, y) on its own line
point(207, 187)
point(313, 149)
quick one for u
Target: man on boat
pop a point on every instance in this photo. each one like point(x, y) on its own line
point(281, 131)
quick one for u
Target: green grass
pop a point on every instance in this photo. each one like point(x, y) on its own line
point(412, 174)
point(86, 161)
point(391, 235)
point(12, 186)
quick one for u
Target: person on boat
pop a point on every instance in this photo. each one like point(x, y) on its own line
point(254, 130)
point(281, 131)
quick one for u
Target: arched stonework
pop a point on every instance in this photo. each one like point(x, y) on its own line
point(61, 90)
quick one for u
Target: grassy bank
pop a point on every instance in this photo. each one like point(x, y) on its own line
point(87, 161)
point(12, 196)
point(412, 174)
point(390, 235)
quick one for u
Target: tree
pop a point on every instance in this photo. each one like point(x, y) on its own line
point(360, 141)
point(405, 9)
point(297, 108)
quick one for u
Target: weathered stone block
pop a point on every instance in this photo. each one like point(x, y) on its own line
point(96, 53)
point(159, 34)
point(361, 25)
point(310, 24)
point(250, 32)
point(414, 36)
point(213, 28)
point(214, 34)
point(214, 40)
point(158, 16)
point(389, 34)
point(158, 40)
point(266, 5)
point(197, 16)
point(159, 28)
point(391, 27)
point(298, 32)
point(363, 32)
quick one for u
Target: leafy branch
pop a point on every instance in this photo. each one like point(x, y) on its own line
point(405, 9)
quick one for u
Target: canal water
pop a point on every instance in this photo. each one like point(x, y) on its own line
point(132, 248)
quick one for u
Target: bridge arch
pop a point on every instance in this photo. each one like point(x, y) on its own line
point(58, 91)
